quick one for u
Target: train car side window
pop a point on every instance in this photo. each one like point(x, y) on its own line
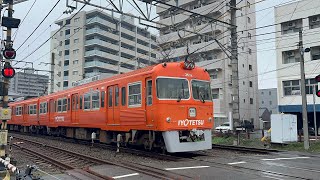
point(68, 104)
point(116, 96)
point(110, 96)
point(59, 106)
point(102, 98)
point(43, 108)
point(134, 96)
point(149, 92)
point(64, 104)
point(95, 100)
point(123, 96)
point(87, 100)
point(33, 109)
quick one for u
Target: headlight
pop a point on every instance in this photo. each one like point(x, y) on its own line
point(168, 119)
point(192, 112)
point(210, 119)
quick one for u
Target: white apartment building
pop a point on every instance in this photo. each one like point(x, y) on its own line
point(94, 43)
point(210, 56)
point(291, 17)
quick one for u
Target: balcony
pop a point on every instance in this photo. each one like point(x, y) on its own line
point(101, 43)
point(104, 66)
point(216, 83)
point(66, 57)
point(103, 33)
point(100, 21)
point(171, 2)
point(101, 54)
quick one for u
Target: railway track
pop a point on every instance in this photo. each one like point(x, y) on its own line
point(244, 149)
point(67, 160)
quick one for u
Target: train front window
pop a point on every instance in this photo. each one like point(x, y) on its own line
point(201, 90)
point(170, 88)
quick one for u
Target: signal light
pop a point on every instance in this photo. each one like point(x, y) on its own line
point(8, 71)
point(317, 78)
point(9, 53)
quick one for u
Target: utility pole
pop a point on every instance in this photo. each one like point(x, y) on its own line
point(303, 94)
point(52, 75)
point(314, 112)
point(234, 62)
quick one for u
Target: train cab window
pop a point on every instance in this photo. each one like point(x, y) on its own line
point(95, 100)
point(110, 96)
point(116, 96)
point(201, 90)
point(102, 98)
point(134, 96)
point(172, 88)
point(123, 96)
point(149, 92)
point(87, 100)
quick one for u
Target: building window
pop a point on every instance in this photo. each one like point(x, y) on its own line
point(134, 95)
point(215, 96)
point(76, 30)
point(76, 19)
point(75, 61)
point(67, 21)
point(262, 93)
point(214, 75)
point(244, 100)
point(249, 20)
point(65, 83)
point(87, 100)
point(250, 67)
point(76, 51)
point(67, 32)
point(67, 42)
point(123, 96)
point(249, 50)
point(292, 56)
point(291, 87)
point(75, 72)
point(269, 93)
point(291, 26)
point(314, 21)
point(66, 73)
point(270, 102)
point(262, 102)
point(243, 83)
point(315, 53)
point(60, 43)
point(250, 83)
point(76, 41)
point(66, 52)
point(249, 35)
point(95, 100)
point(251, 100)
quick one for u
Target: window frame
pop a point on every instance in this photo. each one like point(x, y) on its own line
point(18, 109)
point(43, 109)
point(96, 108)
point(132, 84)
point(210, 99)
point(84, 101)
point(33, 109)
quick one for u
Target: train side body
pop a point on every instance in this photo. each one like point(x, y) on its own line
point(162, 105)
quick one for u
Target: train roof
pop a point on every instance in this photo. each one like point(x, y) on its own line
point(138, 72)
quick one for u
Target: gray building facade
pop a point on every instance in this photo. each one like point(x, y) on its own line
point(95, 43)
point(29, 84)
point(268, 99)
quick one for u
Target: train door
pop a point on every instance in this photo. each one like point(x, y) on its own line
point(148, 102)
point(25, 113)
point(113, 105)
point(74, 108)
point(110, 103)
point(51, 110)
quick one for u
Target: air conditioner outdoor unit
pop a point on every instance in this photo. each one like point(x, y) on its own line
point(315, 19)
point(291, 24)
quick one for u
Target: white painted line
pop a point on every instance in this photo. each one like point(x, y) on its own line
point(241, 162)
point(193, 167)
point(270, 173)
point(275, 159)
point(127, 175)
point(272, 177)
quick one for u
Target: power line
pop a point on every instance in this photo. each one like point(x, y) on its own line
point(39, 24)
point(15, 33)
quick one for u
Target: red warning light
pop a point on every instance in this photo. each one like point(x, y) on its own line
point(318, 93)
point(8, 71)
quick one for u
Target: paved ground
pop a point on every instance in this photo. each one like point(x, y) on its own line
point(286, 165)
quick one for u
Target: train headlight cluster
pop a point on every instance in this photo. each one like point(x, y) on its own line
point(168, 119)
point(210, 119)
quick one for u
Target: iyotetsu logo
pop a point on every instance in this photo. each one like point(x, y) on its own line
point(188, 122)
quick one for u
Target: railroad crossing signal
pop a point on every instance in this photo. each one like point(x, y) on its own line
point(8, 71)
point(9, 53)
point(317, 78)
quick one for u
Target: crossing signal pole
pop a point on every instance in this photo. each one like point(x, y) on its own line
point(8, 72)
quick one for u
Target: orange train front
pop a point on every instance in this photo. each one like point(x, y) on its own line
point(166, 106)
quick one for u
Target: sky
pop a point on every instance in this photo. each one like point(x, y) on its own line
point(265, 16)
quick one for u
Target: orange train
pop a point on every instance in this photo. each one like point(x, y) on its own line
point(166, 106)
